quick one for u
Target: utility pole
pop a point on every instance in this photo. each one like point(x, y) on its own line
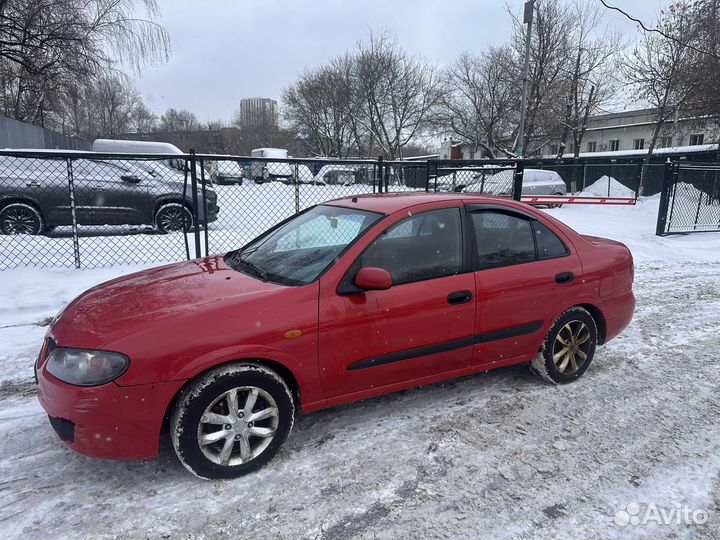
point(527, 19)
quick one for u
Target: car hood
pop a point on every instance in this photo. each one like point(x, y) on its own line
point(114, 309)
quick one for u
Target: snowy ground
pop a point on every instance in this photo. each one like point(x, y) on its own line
point(497, 455)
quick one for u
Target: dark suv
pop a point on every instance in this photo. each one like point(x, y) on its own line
point(35, 195)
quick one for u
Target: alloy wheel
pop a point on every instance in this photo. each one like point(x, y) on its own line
point(19, 220)
point(571, 347)
point(231, 434)
point(174, 219)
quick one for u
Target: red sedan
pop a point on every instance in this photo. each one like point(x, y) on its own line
point(347, 300)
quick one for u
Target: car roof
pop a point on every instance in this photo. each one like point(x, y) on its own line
point(387, 203)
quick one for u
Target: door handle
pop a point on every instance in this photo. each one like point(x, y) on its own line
point(564, 277)
point(459, 297)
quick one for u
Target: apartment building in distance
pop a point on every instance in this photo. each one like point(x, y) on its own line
point(258, 111)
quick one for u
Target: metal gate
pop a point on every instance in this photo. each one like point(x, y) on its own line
point(690, 199)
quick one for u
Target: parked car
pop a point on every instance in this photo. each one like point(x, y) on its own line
point(34, 196)
point(269, 171)
point(535, 182)
point(335, 175)
point(347, 300)
point(227, 172)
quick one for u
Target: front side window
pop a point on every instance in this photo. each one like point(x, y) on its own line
point(297, 252)
point(425, 246)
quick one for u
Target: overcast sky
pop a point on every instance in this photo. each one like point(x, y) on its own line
point(224, 50)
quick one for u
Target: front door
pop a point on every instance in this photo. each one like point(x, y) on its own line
point(421, 326)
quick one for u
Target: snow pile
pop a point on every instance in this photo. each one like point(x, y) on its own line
point(496, 455)
point(606, 186)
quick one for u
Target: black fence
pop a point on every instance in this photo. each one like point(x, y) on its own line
point(690, 199)
point(85, 209)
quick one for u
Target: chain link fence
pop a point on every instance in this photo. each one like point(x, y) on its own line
point(690, 199)
point(86, 209)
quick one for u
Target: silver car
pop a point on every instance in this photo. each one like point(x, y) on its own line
point(535, 182)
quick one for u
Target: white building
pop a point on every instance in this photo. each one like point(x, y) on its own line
point(633, 130)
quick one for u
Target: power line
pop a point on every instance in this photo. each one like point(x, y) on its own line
point(658, 31)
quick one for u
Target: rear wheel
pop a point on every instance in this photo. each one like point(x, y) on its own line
point(172, 217)
point(232, 421)
point(20, 218)
point(568, 348)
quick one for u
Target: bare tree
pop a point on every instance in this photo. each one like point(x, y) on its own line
point(143, 120)
point(478, 96)
point(591, 80)
point(703, 59)
point(656, 67)
point(397, 93)
point(552, 26)
point(46, 46)
point(113, 101)
point(319, 109)
point(178, 120)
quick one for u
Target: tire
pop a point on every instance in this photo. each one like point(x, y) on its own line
point(169, 218)
point(576, 327)
point(20, 218)
point(556, 205)
point(208, 395)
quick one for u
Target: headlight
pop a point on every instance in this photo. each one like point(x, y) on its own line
point(82, 367)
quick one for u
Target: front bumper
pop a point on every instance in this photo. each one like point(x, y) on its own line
point(107, 421)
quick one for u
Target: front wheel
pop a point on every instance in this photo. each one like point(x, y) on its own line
point(173, 217)
point(568, 348)
point(556, 205)
point(232, 421)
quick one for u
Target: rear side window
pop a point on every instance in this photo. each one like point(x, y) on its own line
point(424, 246)
point(502, 239)
point(549, 245)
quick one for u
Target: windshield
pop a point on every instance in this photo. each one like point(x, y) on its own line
point(300, 250)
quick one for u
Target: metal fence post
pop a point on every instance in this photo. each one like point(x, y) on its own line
point(195, 220)
point(205, 206)
point(427, 175)
point(518, 180)
point(297, 188)
point(381, 176)
point(71, 187)
point(664, 199)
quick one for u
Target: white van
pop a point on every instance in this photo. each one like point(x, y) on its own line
point(177, 165)
point(267, 171)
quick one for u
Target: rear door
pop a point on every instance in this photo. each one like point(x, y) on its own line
point(422, 326)
point(523, 272)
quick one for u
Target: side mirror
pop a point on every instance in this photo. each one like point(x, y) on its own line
point(130, 178)
point(373, 279)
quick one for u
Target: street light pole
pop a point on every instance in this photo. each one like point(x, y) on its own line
point(527, 19)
